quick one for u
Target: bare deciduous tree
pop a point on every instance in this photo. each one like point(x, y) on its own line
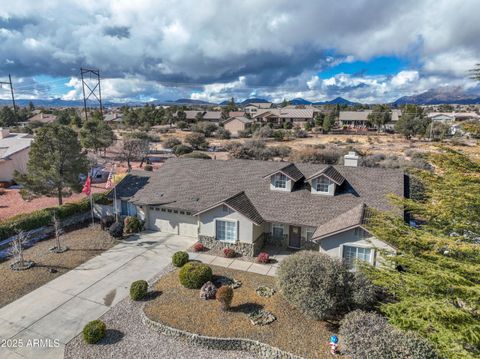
point(57, 226)
point(16, 250)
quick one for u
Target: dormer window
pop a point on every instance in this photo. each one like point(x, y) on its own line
point(279, 181)
point(322, 184)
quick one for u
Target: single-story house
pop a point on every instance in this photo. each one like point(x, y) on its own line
point(354, 118)
point(245, 204)
point(452, 116)
point(43, 118)
point(14, 148)
point(237, 124)
point(214, 116)
point(282, 115)
point(396, 114)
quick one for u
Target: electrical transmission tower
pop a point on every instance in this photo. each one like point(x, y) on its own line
point(9, 83)
point(94, 91)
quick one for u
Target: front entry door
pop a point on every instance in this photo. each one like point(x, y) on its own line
point(294, 237)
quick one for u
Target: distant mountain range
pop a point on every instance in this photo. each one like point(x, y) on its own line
point(442, 95)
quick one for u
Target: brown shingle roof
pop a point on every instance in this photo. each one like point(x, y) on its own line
point(350, 219)
point(290, 171)
point(195, 184)
point(331, 173)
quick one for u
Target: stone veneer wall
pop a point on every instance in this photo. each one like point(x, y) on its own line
point(255, 347)
point(246, 249)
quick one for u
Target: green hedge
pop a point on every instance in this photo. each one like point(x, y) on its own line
point(44, 217)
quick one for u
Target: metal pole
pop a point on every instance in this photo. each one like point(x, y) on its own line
point(13, 97)
point(100, 94)
point(84, 99)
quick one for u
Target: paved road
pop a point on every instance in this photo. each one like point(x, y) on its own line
point(39, 324)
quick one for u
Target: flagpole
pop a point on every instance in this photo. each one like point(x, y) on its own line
point(91, 200)
point(115, 194)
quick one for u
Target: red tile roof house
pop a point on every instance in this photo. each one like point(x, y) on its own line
point(244, 204)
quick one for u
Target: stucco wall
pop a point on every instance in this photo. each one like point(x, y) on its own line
point(333, 245)
point(245, 226)
point(234, 126)
point(331, 187)
point(17, 162)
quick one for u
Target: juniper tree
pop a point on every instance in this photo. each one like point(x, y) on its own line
point(434, 280)
point(55, 163)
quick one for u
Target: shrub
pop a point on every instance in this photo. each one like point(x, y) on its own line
point(364, 293)
point(133, 224)
point(172, 142)
point(263, 132)
point(223, 134)
point(263, 257)
point(229, 253)
point(279, 135)
point(225, 296)
point(107, 221)
point(196, 140)
point(368, 335)
point(179, 259)
point(138, 290)
point(193, 275)
point(317, 284)
point(182, 125)
point(198, 247)
point(182, 150)
point(116, 230)
point(94, 331)
point(148, 168)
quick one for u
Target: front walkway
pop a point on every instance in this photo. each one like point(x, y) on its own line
point(40, 323)
point(276, 257)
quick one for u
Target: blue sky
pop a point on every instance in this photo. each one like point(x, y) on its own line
point(212, 50)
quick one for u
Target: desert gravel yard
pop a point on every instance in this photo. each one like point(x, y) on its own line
point(182, 308)
point(128, 337)
point(83, 244)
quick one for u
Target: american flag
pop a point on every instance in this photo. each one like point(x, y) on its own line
point(109, 180)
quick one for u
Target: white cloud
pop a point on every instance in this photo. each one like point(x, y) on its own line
point(404, 77)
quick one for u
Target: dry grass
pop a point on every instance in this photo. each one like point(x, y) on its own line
point(182, 308)
point(83, 244)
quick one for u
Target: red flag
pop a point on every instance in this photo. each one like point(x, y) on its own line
point(86, 187)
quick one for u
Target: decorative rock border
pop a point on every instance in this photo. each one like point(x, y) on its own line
point(255, 347)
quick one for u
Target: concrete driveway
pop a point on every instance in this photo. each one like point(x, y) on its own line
point(39, 324)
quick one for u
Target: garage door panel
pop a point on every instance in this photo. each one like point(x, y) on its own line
point(173, 223)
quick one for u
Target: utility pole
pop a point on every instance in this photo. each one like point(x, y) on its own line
point(93, 74)
point(9, 83)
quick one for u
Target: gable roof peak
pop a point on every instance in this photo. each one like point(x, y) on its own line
point(290, 170)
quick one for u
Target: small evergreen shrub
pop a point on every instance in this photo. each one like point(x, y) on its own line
point(199, 155)
point(171, 142)
point(368, 335)
point(194, 275)
point(229, 253)
point(182, 150)
point(179, 259)
point(225, 296)
point(138, 289)
point(263, 257)
point(133, 225)
point(116, 230)
point(94, 331)
point(198, 247)
point(148, 168)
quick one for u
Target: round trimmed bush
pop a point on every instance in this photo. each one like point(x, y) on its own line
point(148, 168)
point(133, 224)
point(198, 247)
point(225, 296)
point(94, 331)
point(263, 257)
point(368, 335)
point(179, 258)
point(194, 275)
point(116, 230)
point(138, 289)
point(315, 283)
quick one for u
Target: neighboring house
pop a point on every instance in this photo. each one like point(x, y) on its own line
point(354, 119)
point(283, 115)
point(236, 114)
point(213, 116)
point(43, 118)
point(237, 124)
point(452, 116)
point(396, 114)
point(113, 117)
point(245, 204)
point(252, 108)
point(14, 148)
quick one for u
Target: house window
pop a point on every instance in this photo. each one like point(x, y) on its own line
point(182, 212)
point(175, 211)
point(279, 180)
point(352, 254)
point(128, 209)
point(277, 231)
point(226, 231)
point(163, 209)
point(322, 184)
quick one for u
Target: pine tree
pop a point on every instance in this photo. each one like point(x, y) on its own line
point(55, 163)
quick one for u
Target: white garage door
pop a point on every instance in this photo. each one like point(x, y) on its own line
point(171, 222)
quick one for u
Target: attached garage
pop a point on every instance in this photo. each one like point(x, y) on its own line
point(172, 221)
